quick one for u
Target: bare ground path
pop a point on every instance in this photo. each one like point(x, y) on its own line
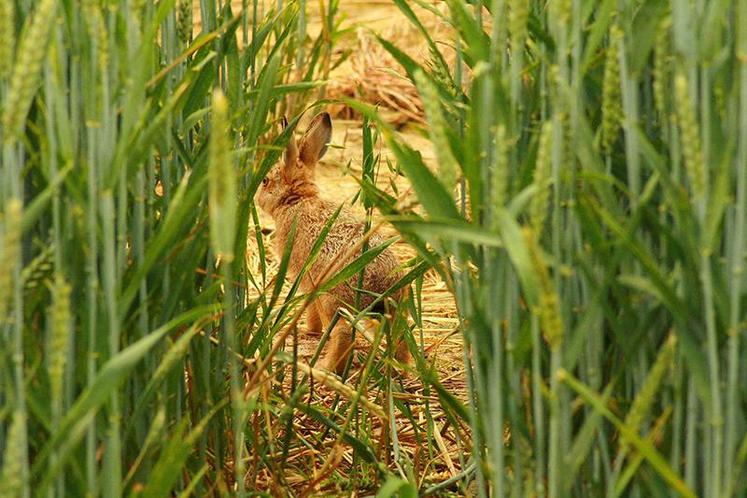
point(370, 75)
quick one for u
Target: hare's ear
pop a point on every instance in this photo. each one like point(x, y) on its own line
point(291, 150)
point(315, 140)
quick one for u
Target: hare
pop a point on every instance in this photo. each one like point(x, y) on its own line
point(289, 192)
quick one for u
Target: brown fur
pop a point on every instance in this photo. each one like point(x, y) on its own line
point(289, 193)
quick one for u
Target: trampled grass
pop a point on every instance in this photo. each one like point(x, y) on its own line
point(585, 207)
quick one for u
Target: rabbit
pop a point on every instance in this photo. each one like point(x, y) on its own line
point(289, 192)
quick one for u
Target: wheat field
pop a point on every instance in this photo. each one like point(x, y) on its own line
point(563, 182)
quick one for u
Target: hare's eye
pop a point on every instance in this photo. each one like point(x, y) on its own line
point(265, 181)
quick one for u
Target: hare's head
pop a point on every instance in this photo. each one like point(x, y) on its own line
point(293, 178)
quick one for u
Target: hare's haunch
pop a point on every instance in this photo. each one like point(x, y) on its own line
point(289, 192)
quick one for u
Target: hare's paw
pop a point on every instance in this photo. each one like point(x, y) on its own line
point(313, 321)
point(332, 363)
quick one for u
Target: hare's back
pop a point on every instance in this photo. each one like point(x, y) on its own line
point(342, 244)
point(378, 276)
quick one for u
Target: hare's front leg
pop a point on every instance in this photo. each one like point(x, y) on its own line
point(314, 318)
point(403, 352)
point(339, 342)
point(337, 348)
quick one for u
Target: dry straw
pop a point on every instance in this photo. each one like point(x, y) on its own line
point(374, 76)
